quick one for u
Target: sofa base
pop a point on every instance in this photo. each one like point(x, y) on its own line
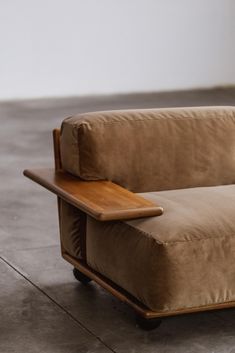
point(125, 297)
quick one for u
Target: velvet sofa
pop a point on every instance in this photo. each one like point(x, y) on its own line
point(147, 206)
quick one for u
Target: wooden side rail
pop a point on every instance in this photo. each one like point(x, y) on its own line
point(103, 200)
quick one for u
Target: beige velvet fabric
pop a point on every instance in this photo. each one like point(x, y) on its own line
point(152, 149)
point(72, 230)
point(181, 260)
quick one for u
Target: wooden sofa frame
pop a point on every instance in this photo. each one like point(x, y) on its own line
point(105, 201)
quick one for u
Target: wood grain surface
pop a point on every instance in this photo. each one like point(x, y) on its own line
point(102, 200)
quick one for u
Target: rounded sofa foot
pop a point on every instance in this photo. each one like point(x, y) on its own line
point(80, 276)
point(147, 324)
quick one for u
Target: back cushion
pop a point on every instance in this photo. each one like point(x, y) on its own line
point(152, 149)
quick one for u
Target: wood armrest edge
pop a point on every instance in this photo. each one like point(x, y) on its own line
point(103, 200)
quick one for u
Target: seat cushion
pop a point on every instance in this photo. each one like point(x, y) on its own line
point(182, 259)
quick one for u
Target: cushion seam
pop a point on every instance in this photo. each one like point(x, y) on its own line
point(83, 124)
point(198, 239)
point(146, 234)
point(160, 242)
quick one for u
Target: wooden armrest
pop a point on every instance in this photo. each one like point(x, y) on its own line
point(103, 200)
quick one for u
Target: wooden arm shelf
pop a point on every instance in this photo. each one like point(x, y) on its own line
point(103, 200)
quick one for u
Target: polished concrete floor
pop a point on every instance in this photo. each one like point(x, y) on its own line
point(42, 307)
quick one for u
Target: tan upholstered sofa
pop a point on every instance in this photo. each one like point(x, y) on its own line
point(180, 162)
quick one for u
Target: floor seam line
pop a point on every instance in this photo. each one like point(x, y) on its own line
point(57, 304)
point(32, 248)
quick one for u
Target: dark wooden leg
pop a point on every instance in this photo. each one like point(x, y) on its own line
point(80, 276)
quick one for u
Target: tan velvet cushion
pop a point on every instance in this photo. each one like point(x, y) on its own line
point(182, 259)
point(72, 230)
point(153, 149)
